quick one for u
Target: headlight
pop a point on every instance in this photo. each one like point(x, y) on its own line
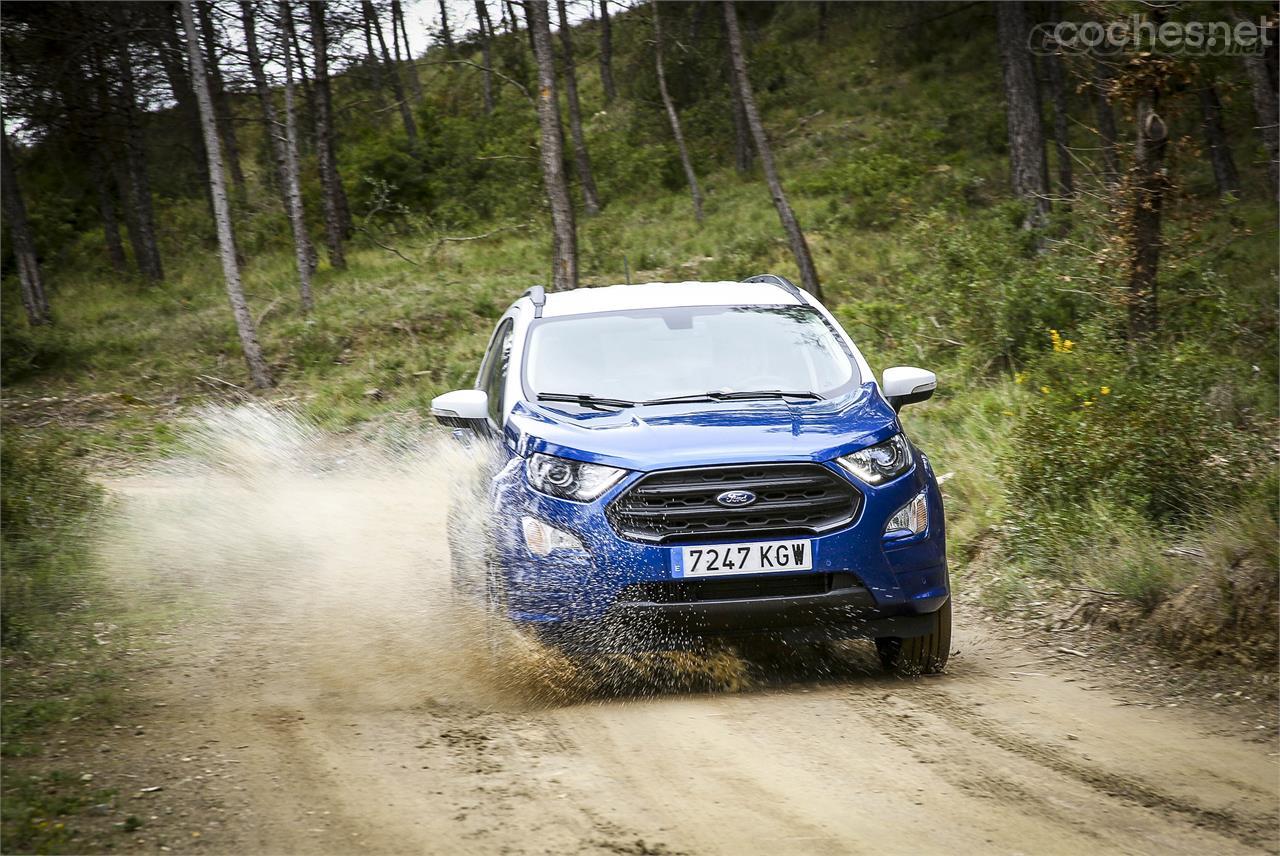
point(910, 519)
point(880, 463)
point(566, 479)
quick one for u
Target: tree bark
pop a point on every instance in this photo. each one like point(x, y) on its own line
point(1225, 176)
point(221, 101)
point(606, 54)
point(444, 27)
point(564, 236)
point(1107, 133)
point(581, 158)
point(397, 88)
point(1028, 164)
point(283, 147)
point(24, 245)
point(330, 182)
point(674, 118)
point(486, 54)
point(1149, 184)
point(742, 82)
point(142, 228)
point(222, 210)
point(397, 19)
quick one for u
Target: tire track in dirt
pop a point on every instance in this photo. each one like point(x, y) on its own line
point(1259, 832)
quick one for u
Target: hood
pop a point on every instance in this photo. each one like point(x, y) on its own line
point(675, 435)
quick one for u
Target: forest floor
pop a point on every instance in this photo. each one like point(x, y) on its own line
point(333, 714)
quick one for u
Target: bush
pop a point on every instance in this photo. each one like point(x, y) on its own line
point(1140, 434)
point(47, 504)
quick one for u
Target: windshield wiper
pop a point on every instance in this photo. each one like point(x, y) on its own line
point(715, 395)
point(592, 401)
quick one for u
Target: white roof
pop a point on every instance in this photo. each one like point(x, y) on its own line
point(657, 295)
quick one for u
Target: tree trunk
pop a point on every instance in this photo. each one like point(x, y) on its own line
point(606, 54)
point(674, 117)
point(221, 101)
point(371, 56)
point(1028, 164)
point(742, 155)
point(173, 58)
point(1107, 134)
point(444, 27)
point(564, 236)
point(397, 88)
point(308, 93)
point(283, 149)
point(397, 19)
point(742, 82)
point(1225, 175)
point(1149, 185)
point(1265, 104)
point(142, 227)
point(24, 245)
point(486, 55)
point(581, 159)
point(1061, 118)
point(107, 210)
point(222, 210)
point(330, 182)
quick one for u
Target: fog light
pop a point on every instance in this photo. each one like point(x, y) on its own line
point(910, 519)
point(542, 538)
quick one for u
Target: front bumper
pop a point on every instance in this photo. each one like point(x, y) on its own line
point(888, 588)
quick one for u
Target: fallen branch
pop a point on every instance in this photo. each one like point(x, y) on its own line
point(389, 249)
point(464, 238)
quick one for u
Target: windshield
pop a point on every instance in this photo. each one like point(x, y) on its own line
point(652, 354)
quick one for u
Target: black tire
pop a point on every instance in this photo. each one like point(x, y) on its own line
point(920, 655)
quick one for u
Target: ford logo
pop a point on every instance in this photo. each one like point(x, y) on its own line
point(736, 498)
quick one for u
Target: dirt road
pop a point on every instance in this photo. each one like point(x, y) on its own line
point(1006, 754)
point(310, 703)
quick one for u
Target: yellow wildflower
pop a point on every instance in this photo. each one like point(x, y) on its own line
point(1088, 403)
point(1067, 345)
point(1045, 390)
point(1106, 390)
point(1019, 377)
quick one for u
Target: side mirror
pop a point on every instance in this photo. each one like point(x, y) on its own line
point(907, 385)
point(462, 408)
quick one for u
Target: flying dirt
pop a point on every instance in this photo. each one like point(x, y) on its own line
point(323, 691)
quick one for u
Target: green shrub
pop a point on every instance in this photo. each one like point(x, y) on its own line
point(47, 505)
point(1138, 433)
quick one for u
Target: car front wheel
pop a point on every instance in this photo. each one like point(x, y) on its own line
point(920, 655)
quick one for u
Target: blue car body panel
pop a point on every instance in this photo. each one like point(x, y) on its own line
point(904, 576)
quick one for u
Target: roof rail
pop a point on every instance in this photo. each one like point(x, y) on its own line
point(781, 281)
point(538, 296)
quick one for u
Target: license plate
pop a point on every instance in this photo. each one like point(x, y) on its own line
point(759, 557)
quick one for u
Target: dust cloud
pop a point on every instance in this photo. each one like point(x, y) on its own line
point(325, 559)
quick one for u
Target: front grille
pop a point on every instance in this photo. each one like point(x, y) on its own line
point(693, 591)
point(679, 506)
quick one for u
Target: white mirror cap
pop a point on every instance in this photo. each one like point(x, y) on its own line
point(462, 403)
point(907, 380)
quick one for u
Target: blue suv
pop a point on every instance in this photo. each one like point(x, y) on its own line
point(685, 460)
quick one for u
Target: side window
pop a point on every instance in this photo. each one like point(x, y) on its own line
point(495, 374)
